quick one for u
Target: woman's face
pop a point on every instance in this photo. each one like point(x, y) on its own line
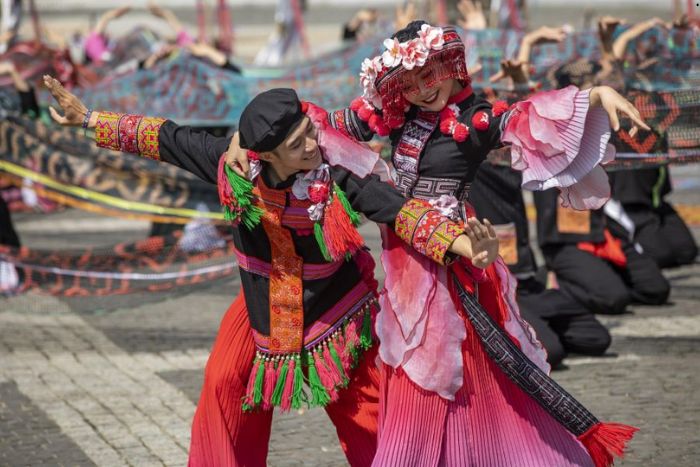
point(417, 92)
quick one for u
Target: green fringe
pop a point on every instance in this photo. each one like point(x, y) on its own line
point(366, 336)
point(279, 387)
point(259, 378)
point(318, 233)
point(319, 394)
point(352, 214)
point(338, 363)
point(243, 191)
point(298, 395)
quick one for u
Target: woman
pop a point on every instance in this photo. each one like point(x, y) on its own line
point(448, 392)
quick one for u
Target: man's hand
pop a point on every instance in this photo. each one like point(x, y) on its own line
point(479, 243)
point(237, 158)
point(610, 100)
point(73, 108)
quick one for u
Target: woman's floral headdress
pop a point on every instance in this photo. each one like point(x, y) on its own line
point(383, 79)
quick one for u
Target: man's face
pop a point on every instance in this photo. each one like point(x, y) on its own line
point(299, 151)
point(417, 92)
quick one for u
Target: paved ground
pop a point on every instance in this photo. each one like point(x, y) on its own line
point(91, 387)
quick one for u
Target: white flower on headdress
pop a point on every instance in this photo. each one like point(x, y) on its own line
point(369, 71)
point(413, 53)
point(392, 56)
point(431, 37)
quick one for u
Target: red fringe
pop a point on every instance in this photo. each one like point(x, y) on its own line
point(286, 403)
point(226, 197)
point(606, 440)
point(248, 399)
point(326, 377)
point(269, 384)
point(332, 367)
point(340, 235)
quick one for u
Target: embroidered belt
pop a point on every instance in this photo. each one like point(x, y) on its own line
point(310, 271)
point(430, 187)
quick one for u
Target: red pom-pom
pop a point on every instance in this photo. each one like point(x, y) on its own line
point(365, 113)
point(253, 156)
point(376, 124)
point(318, 192)
point(446, 125)
point(480, 121)
point(461, 133)
point(499, 107)
point(357, 103)
point(304, 106)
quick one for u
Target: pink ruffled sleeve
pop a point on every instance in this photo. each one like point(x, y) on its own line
point(96, 47)
point(558, 141)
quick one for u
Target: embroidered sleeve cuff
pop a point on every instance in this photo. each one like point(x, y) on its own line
point(426, 230)
point(129, 133)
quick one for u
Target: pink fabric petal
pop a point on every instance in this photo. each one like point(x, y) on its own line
point(340, 150)
point(418, 327)
point(557, 141)
point(183, 38)
point(590, 193)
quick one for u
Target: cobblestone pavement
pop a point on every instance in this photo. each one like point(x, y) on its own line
point(90, 387)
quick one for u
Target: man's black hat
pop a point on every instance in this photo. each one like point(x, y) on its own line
point(268, 119)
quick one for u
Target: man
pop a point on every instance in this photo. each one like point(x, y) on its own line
point(300, 318)
point(603, 273)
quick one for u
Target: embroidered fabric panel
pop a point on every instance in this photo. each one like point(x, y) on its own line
point(426, 230)
point(345, 121)
point(431, 187)
point(128, 127)
point(352, 303)
point(262, 268)
point(442, 238)
point(286, 287)
point(129, 133)
point(107, 130)
point(286, 274)
point(147, 137)
point(412, 141)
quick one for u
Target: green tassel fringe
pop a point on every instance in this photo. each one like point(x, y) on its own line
point(298, 395)
point(243, 191)
point(338, 363)
point(319, 394)
point(318, 234)
point(279, 387)
point(259, 378)
point(366, 336)
point(352, 214)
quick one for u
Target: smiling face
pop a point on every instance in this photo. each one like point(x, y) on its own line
point(298, 152)
point(432, 98)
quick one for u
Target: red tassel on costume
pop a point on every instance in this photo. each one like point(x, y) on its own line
point(226, 197)
point(324, 374)
point(286, 403)
point(461, 133)
point(340, 235)
point(269, 384)
point(606, 440)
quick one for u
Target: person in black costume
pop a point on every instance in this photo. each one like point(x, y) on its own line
point(561, 323)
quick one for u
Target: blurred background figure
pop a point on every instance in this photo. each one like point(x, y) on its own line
point(288, 38)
